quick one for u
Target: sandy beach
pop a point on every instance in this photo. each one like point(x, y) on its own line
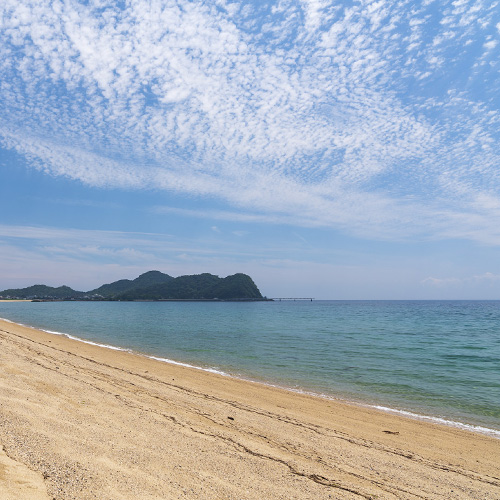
point(15, 300)
point(78, 421)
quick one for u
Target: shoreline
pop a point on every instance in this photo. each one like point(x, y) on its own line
point(446, 421)
point(16, 300)
point(95, 421)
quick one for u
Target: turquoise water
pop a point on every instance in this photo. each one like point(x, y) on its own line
point(435, 358)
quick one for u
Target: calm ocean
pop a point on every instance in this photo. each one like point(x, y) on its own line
point(435, 358)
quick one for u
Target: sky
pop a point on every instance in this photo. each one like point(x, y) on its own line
point(329, 149)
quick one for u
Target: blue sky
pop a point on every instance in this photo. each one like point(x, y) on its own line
point(343, 149)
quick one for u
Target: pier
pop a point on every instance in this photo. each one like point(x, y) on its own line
point(292, 298)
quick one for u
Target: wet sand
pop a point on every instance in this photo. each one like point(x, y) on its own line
point(79, 421)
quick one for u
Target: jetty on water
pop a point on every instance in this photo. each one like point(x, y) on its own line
point(293, 298)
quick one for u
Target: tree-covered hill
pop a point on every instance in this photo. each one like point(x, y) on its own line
point(122, 286)
point(42, 292)
point(152, 285)
point(198, 287)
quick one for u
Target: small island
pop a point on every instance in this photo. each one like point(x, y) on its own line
point(152, 285)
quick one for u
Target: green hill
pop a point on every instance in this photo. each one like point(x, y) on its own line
point(42, 292)
point(122, 286)
point(198, 287)
point(153, 285)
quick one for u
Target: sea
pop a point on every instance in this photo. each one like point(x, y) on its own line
point(432, 360)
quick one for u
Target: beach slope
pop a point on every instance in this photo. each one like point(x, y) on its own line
point(78, 421)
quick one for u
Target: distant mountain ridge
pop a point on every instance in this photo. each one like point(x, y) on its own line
point(152, 285)
point(122, 286)
point(42, 291)
point(197, 287)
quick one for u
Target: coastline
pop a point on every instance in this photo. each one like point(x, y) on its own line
point(97, 421)
point(407, 413)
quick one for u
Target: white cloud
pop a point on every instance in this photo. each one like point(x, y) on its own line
point(491, 44)
point(64, 244)
point(441, 282)
point(346, 116)
point(486, 277)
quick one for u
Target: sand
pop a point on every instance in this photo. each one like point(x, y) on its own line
point(79, 421)
point(15, 300)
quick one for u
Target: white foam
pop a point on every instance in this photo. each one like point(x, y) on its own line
point(13, 322)
point(186, 365)
point(440, 420)
point(114, 348)
point(78, 339)
point(416, 416)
